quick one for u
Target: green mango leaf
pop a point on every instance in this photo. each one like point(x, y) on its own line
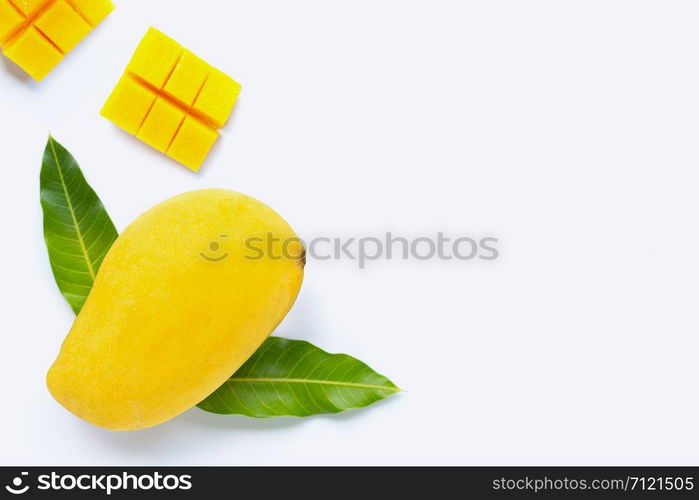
point(294, 378)
point(284, 377)
point(77, 228)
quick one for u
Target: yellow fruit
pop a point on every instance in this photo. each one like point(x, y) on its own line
point(217, 98)
point(192, 143)
point(33, 53)
point(140, 101)
point(63, 26)
point(36, 34)
point(29, 7)
point(161, 124)
point(186, 86)
point(10, 20)
point(180, 302)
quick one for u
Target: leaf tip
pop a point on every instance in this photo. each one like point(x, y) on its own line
point(395, 389)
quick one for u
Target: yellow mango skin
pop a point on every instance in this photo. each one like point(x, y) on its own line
point(168, 319)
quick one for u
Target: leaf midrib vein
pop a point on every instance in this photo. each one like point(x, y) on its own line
point(314, 381)
point(72, 211)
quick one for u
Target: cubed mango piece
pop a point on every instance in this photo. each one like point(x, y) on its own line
point(34, 53)
point(63, 26)
point(155, 58)
point(193, 99)
point(192, 143)
point(29, 7)
point(187, 78)
point(128, 105)
point(36, 34)
point(93, 11)
point(161, 124)
point(217, 97)
point(10, 19)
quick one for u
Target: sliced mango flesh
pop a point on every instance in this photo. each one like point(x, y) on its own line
point(187, 78)
point(192, 143)
point(28, 7)
point(34, 53)
point(36, 34)
point(129, 104)
point(154, 58)
point(161, 124)
point(217, 97)
point(93, 11)
point(11, 19)
point(63, 26)
point(191, 100)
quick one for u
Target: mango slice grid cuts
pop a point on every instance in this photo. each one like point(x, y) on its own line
point(36, 34)
point(172, 100)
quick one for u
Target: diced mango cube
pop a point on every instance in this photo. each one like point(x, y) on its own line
point(187, 78)
point(155, 57)
point(193, 99)
point(192, 143)
point(63, 26)
point(36, 34)
point(161, 124)
point(29, 7)
point(93, 11)
point(34, 53)
point(10, 19)
point(217, 97)
point(128, 104)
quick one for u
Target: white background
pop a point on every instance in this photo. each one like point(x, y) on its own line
point(568, 129)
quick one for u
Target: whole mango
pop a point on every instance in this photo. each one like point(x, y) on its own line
point(184, 297)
